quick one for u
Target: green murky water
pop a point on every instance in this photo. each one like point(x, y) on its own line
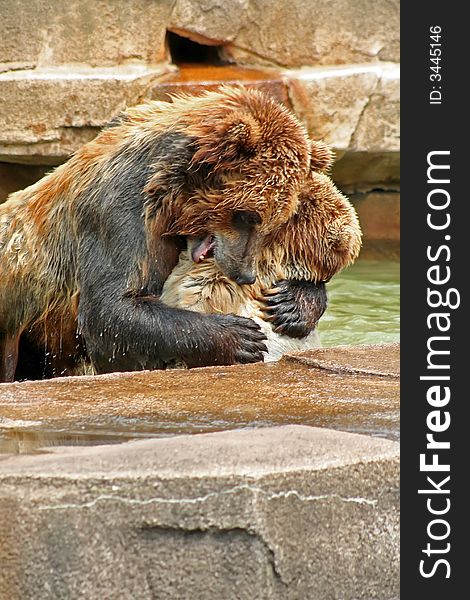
point(364, 305)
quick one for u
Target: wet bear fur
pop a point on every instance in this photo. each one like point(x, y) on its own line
point(322, 237)
point(85, 251)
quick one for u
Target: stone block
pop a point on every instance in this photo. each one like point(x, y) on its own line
point(40, 33)
point(379, 215)
point(47, 114)
point(208, 21)
point(376, 360)
point(283, 513)
point(356, 110)
point(65, 72)
point(339, 105)
point(293, 34)
point(378, 128)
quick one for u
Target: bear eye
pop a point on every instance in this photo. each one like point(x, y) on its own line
point(245, 218)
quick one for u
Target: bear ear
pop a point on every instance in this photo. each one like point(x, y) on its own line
point(226, 142)
point(321, 156)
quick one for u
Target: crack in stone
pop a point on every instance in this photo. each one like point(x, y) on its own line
point(352, 138)
point(201, 499)
point(14, 67)
point(217, 530)
point(268, 61)
point(271, 554)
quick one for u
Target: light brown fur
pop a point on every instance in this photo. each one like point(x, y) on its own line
point(321, 239)
point(203, 288)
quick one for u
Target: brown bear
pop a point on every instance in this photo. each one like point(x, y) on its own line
point(321, 238)
point(85, 251)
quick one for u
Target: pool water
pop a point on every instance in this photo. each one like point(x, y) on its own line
point(363, 305)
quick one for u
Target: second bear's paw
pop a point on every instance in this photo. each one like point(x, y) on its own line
point(294, 307)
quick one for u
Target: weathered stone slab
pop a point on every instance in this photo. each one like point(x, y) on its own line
point(125, 405)
point(344, 82)
point(379, 125)
point(40, 33)
point(355, 109)
point(330, 101)
point(380, 360)
point(46, 114)
point(113, 32)
point(208, 21)
point(285, 513)
point(296, 33)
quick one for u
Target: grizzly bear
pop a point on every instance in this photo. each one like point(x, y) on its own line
point(320, 239)
point(85, 251)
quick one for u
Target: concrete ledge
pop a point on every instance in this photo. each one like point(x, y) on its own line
point(47, 114)
point(288, 512)
point(376, 360)
point(338, 388)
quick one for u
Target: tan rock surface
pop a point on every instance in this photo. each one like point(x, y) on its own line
point(282, 513)
point(108, 33)
point(142, 404)
point(46, 114)
point(341, 104)
point(293, 34)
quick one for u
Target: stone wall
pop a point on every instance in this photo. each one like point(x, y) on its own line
point(68, 68)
